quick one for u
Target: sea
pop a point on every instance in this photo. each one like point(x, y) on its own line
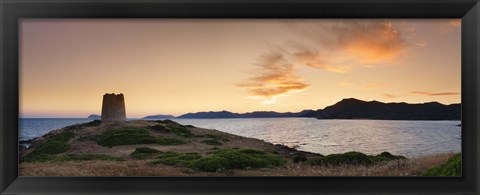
point(407, 138)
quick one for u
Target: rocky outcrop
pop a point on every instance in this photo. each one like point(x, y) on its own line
point(113, 108)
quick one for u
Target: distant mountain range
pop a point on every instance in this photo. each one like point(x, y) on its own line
point(257, 114)
point(349, 108)
point(357, 109)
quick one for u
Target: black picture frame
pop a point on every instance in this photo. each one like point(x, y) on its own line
point(13, 10)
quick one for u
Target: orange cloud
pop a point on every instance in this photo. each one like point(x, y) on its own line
point(339, 46)
point(275, 77)
point(435, 94)
point(372, 42)
point(313, 59)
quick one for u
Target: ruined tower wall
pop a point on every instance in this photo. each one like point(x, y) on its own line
point(113, 108)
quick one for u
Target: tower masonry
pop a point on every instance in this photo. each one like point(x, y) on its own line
point(113, 108)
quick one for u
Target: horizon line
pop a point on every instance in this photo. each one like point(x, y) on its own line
point(244, 112)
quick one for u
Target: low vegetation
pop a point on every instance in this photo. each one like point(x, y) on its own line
point(160, 128)
point(167, 121)
point(55, 144)
point(172, 127)
point(453, 167)
point(176, 159)
point(144, 153)
point(213, 142)
point(125, 136)
point(299, 157)
point(169, 141)
point(220, 160)
point(238, 159)
point(180, 130)
point(352, 158)
point(214, 157)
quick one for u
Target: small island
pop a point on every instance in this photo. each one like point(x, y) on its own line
point(94, 116)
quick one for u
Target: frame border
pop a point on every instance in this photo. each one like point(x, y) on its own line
point(13, 10)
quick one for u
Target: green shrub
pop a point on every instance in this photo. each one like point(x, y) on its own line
point(180, 130)
point(38, 157)
point(386, 156)
point(64, 136)
point(453, 167)
point(299, 157)
point(117, 137)
point(349, 158)
point(213, 142)
point(176, 159)
point(144, 153)
point(160, 128)
point(212, 164)
point(52, 147)
point(220, 160)
point(170, 141)
point(86, 157)
point(237, 159)
point(352, 158)
point(167, 121)
point(251, 151)
point(55, 144)
point(172, 127)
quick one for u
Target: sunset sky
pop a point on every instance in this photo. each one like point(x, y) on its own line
point(176, 66)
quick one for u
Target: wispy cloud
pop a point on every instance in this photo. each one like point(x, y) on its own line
point(275, 77)
point(435, 93)
point(334, 45)
point(389, 96)
point(314, 59)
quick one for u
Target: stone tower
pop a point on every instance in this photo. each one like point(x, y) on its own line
point(113, 108)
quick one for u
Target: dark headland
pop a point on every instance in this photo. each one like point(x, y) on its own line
point(351, 108)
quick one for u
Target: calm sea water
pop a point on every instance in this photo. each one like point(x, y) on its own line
point(409, 138)
point(34, 127)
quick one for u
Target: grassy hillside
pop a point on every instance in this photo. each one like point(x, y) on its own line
point(166, 148)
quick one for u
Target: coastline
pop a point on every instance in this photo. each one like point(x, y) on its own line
point(87, 153)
